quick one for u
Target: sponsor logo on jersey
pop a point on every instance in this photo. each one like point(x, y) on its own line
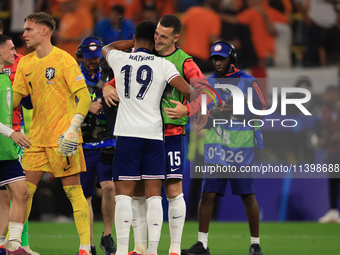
point(7, 101)
point(174, 169)
point(80, 77)
point(50, 73)
point(8, 71)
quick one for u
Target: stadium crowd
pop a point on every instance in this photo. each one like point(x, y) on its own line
point(265, 33)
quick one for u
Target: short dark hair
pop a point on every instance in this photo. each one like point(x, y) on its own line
point(171, 21)
point(4, 38)
point(145, 31)
point(42, 18)
point(1, 27)
point(118, 8)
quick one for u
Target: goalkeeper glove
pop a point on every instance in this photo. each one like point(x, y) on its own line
point(68, 141)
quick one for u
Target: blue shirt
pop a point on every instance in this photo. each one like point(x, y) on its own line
point(105, 31)
point(88, 76)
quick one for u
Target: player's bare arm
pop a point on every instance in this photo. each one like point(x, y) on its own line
point(199, 86)
point(180, 110)
point(96, 107)
point(118, 45)
point(110, 95)
point(19, 138)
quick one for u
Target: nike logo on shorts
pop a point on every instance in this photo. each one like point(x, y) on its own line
point(173, 170)
point(65, 169)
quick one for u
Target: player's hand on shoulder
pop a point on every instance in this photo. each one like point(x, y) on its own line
point(21, 140)
point(110, 95)
point(178, 112)
point(96, 107)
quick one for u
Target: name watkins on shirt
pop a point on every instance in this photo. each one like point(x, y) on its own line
point(141, 58)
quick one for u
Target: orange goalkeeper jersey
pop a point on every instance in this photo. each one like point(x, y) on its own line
point(52, 82)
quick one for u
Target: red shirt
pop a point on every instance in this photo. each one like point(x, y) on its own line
point(11, 70)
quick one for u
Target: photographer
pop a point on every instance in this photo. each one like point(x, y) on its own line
point(98, 144)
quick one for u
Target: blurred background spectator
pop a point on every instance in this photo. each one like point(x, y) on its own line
point(201, 27)
point(238, 35)
point(318, 15)
point(260, 19)
point(330, 139)
point(76, 23)
point(132, 8)
point(150, 12)
point(329, 50)
point(107, 29)
point(21, 10)
point(281, 33)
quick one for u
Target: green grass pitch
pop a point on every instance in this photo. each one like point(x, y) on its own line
point(225, 238)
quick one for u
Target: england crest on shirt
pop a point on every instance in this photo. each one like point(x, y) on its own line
point(50, 72)
point(8, 71)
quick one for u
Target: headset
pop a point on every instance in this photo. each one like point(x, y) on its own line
point(232, 55)
point(79, 54)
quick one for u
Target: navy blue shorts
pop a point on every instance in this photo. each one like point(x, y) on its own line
point(94, 166)
point(219, 186)
point(138, 158)
point(11, 171)
point(174, 149)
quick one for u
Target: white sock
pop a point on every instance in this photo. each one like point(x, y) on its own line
point(177, 212)
point(15, 235)
point(2, 239)
point(6, 243)
point(154, 218)
point(255, 240)
point(123, 219)
point(203, 238)
point(85, 247)
point(139, 223)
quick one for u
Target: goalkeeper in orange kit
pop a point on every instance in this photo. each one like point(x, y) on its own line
point(53, 79)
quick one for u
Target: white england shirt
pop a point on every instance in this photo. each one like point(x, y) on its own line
point(141, 79)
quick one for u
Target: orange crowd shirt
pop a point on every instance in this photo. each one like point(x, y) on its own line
point(263, 41)
point(131, 7)
point(52, 82)
point(199, 24)
point(72, 26)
